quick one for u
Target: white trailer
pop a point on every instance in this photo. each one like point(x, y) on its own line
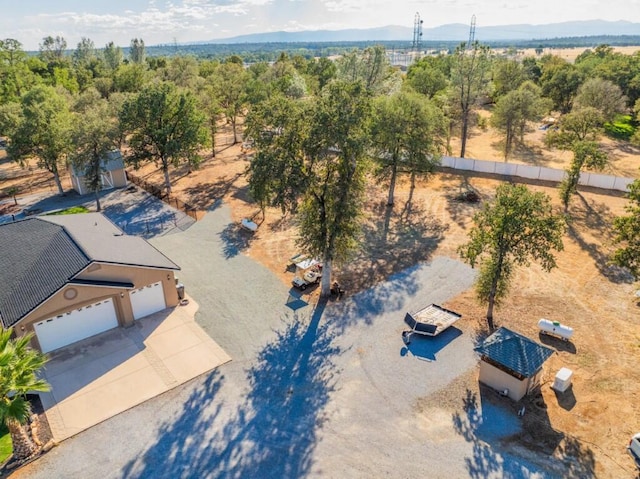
point(429, 321)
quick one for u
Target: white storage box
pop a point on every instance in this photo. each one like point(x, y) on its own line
point(562, 381)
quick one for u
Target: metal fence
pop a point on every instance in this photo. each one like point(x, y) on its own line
point(161, 194)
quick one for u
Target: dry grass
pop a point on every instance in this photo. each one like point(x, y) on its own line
point(596, 299)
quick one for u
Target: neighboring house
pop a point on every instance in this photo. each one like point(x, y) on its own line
point(512, 363)
point(113, 174)
point(70, 277)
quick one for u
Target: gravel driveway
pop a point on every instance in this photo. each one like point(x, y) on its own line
point(330, 392)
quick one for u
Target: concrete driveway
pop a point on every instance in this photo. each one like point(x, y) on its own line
point(102, 376)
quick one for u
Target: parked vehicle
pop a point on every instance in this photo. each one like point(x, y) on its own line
point(634, 449)
point(308, 278)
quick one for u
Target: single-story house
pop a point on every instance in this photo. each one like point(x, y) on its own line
point(69, 277)
point(113, 174)
point(512, 363)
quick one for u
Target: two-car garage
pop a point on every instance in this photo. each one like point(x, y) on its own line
point(81, 323)
point(72, 326)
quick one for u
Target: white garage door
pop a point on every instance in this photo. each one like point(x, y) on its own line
point(147, 300)
point(67, 328)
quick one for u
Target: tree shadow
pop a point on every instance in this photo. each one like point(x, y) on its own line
point(273, 431)
point(235, 240)
point(177, 445)
point(204, 195)
point(394, 242)
point(596, 217)
point(365, 306)
point(499, 436)
point(530, 153)
point(460, 210)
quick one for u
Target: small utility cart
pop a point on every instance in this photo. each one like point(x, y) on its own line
point(429, 321)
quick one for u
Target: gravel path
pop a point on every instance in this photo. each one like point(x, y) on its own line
point(330, 392)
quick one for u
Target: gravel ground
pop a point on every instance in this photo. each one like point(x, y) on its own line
point(324, 392)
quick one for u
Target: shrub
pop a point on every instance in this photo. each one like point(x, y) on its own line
point(622, 128)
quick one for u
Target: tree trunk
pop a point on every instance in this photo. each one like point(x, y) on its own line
point(213, 137)
point(412, 188)
point(56, 178)
point(507, 143)
point(392, 185)
point(23, 446)
point(490, 313)
point(235, 134)
point(325, 282)
point(465, 130)
point(167, 180)
point(493, 292)
point(97, 194)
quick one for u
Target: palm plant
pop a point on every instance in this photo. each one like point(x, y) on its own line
point(19, 364)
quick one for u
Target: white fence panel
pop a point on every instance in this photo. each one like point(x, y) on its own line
point(622, 184)
point(526, 171)
point(602, 181)
point(484, 166)
point(464, 164)
point(584, 178)
point(506, 169)
point(551, 174)
point(448, 162)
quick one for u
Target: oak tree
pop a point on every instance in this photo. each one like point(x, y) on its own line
point(518, 227)
point(163, 124)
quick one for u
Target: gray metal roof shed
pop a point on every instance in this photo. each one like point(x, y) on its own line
point(514, 352)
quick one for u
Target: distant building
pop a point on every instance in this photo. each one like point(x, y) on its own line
point(113, 174)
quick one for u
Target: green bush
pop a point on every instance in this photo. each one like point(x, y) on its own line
point(622, 128)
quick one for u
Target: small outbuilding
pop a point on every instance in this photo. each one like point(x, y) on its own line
point(512, 363)
point(113, 174)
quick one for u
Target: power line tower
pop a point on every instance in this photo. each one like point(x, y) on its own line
point(417, 33)
point(472, 32)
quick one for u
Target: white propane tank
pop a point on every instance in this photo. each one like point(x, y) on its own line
point(554, 328)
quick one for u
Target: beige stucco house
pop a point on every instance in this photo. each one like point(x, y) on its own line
point(70, 277)
point(113, 174)
point(512, 363)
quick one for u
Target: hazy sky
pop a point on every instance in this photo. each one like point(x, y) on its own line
point(162, 21)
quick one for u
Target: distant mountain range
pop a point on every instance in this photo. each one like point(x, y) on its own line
point(451, 32)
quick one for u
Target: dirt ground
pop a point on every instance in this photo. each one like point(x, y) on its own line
point(570, 54)
point(597, 417)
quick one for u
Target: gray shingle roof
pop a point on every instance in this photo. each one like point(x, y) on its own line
point(104, 242)
point(27, 273)
point(514, 351)
point(38, 256)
